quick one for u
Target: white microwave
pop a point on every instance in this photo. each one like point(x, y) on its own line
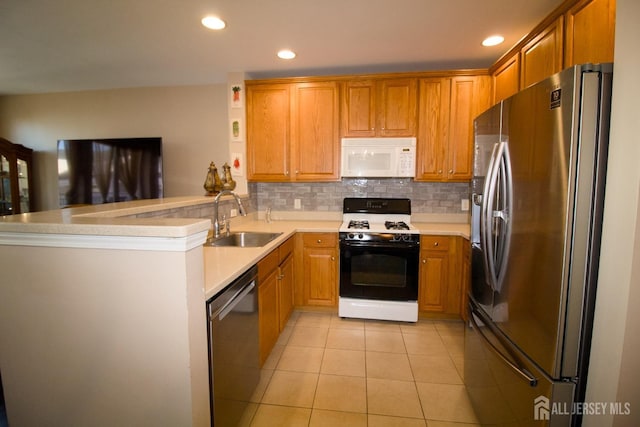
point(378, 157)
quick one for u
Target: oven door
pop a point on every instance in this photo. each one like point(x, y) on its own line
point(379, 271)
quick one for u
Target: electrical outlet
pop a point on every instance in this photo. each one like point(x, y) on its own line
point(233, 213)
point(464, 205)
point(297, 204)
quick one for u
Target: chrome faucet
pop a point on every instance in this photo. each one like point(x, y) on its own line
point(216, 224)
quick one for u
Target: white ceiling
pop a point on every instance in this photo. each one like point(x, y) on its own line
point(68, 45)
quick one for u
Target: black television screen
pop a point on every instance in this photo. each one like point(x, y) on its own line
point(94, 171)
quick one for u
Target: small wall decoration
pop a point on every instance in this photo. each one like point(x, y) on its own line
point(236, 130)
point(237, 163)
point(236, 95)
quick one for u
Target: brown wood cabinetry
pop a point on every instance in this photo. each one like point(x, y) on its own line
point(286, 281)
point(578, 32)
point(268, 130)
point(465, 277)
point(445, 126)
point(506, 79)
point(379, 107)
point(442, 273)
point(543, 55)
point(293, 132)
point(315, 119)
point(16, 178)
point(589, 33)
point(433, 128)
point(269, 319)
point(434, 274)
point(317, 266)
point(275, 295)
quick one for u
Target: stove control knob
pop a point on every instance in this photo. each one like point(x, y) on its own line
point(360, 236)
point(350, 235)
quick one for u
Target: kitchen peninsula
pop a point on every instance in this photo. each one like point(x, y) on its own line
point(102, 309)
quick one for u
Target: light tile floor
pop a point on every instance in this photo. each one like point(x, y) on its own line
point(328, 371)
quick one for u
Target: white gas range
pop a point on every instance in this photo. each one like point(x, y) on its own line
point(379, 256)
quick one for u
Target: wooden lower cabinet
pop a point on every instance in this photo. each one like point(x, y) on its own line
point(286, 281)
point(317, 266)
point(275, 295)
point(465, 278)
point(441, 275)
point(269, 319)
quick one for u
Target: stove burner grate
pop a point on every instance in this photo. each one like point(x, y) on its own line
point(396, 225)
point(358, 224)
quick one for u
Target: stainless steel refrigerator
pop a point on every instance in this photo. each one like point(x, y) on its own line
point(537, 200)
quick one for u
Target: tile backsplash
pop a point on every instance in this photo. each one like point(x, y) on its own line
point(426, 197)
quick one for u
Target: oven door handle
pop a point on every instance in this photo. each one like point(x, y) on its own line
point(379, 245)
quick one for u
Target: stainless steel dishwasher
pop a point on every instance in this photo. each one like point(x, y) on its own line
point(234, 357)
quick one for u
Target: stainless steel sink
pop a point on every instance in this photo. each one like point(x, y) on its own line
point(243, 239)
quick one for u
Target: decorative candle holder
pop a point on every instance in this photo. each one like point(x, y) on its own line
point(212, 183)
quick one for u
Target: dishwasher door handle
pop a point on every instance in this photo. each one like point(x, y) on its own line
point(234, 301)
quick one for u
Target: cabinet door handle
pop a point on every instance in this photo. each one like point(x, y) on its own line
point(319, 241)
point(424, 261)
point(333, 258)
point(440, 172)
point(450, 171)
point(436, 244)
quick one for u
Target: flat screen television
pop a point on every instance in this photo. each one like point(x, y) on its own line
point(95, 171)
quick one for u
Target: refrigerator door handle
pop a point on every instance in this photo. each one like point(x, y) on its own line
point(523, 372)
point(498, 189)
point(485, 217)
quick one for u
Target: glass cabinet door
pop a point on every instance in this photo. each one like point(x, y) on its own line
point(5, 187)
point(23, 185)
point(16, 182)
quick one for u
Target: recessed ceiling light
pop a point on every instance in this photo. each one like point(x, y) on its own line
point(213, 23)
point(492, 41)
point(286, 54)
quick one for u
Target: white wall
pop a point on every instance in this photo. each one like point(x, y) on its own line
point(103, 337)
point(615, 357)
point(192, 121)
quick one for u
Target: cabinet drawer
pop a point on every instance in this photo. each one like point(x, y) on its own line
point(267, 265)
point(434, 243)
point(320, 240)
point(285, 249)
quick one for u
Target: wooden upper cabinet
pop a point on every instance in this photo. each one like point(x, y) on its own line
point(433, 128)
point(379, 107)
point(590, 31)
point(293, 132)
point(506, 79)
point(397, 107)
point(359, 108)
point(445, 130)
point(542, 56)
point(268, 127)
point(315, 137)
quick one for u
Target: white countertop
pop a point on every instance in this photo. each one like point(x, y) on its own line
point(99, 223)
point(224, 264)
point(111, 219)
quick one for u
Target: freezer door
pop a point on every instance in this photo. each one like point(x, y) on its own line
point(504, 387)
